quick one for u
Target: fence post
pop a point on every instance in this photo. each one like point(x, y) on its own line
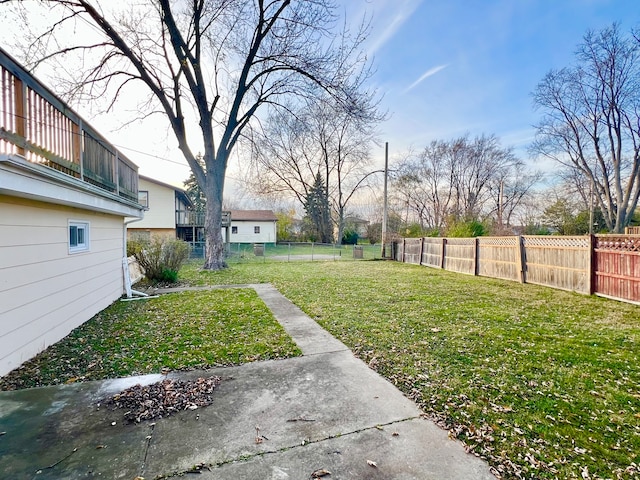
point(591, 265)
point(404, 249)
point(443, 252)
point(476, 253)
point(421, 250)
point(521, 258)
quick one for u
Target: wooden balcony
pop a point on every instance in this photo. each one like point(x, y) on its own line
point(191, 218)
point(37, 125)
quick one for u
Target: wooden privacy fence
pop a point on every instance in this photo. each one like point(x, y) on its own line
point(606, 265)
point(616, 266)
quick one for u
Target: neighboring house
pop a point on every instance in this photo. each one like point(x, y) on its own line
point(169, 212)
point(64, 195)
point(253, 226)
point(359, 225)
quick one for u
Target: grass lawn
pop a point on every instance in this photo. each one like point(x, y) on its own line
point(177, 331)
point(543, 383)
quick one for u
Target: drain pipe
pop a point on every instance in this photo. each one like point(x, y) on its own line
point(125, 262)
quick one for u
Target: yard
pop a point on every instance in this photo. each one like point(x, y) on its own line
point(543, 383)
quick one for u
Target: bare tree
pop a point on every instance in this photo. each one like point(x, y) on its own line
point(460, 179)
point(591, 121)
point(474, 164)
point(217, 62)
point(509, 190)
point(424, 184)
point(319, 137)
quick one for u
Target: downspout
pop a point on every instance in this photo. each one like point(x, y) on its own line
point(125, 261)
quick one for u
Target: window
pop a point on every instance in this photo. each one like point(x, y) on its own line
point(256, 229)
point(143, 198)
point(234, 229)
point(78, 236)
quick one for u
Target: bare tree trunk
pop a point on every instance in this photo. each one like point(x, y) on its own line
point(214, 251)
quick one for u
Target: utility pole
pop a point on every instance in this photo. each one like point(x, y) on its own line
point(384, 211)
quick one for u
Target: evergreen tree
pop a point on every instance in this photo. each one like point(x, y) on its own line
point(317, 207)
point(194, 191)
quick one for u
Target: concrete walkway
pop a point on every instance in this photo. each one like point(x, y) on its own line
point(324, 411)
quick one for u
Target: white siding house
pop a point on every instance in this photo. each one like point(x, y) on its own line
point(170, 212)
point(163, 204)
point(253, 226)
point(53, 278)
point(64, 197)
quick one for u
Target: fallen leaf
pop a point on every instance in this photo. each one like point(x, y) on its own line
point(395, 434)
point(371, 463)
point(585, 473)
point(320, 473)
point(198, 468)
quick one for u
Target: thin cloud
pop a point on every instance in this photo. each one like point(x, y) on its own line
point(425, 75)
point(406, 10)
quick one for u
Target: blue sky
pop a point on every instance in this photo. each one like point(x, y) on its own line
point(448, 67)
point(444, 68)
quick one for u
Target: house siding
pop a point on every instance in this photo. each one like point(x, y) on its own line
point(246, 231)
point(45, 292)
point(162, 208)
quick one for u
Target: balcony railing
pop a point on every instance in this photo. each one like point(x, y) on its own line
point(191, 218)
point(37, 125)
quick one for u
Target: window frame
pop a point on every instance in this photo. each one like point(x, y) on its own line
point(146, 203)
point(234, 230)
point(256, 230)
point(78, 242)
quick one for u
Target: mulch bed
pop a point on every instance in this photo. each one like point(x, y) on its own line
point(163, 399)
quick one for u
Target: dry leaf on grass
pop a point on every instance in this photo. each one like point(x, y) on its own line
point(320, 473)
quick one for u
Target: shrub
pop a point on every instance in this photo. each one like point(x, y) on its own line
point(350, 237)
point(466, 229)
point(161, 258)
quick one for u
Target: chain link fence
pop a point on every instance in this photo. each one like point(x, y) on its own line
point(292, 252)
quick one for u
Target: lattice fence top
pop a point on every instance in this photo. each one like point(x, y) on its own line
point(411, 241)
point(550, 241)
point(461, 241)
point(437, 240)
point(618, 243)
point(498, 241)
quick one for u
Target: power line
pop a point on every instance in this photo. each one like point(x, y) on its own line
point(183, 164)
